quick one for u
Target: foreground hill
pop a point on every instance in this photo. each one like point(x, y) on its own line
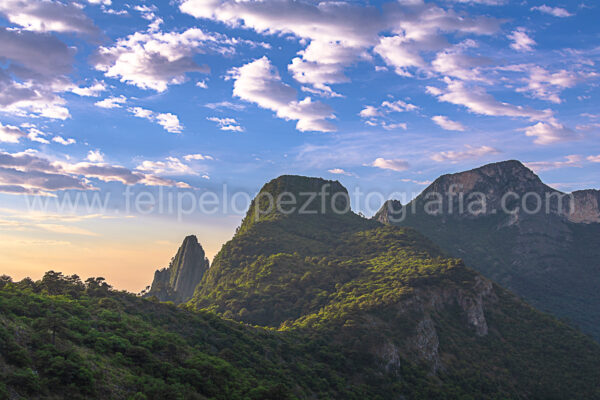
point(550, 256)
point(389, 296)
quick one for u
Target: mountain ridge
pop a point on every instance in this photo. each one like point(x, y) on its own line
point(549, 257)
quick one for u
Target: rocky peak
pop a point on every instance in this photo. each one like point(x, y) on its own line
point(586, 207)
point(297, 195)
point(178, 281)
point(390, 212)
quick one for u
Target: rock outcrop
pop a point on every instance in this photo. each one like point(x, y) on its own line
point(510, 226)
point(178, 281)
point(586, 207)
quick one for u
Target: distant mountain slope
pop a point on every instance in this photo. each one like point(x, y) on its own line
point(550, 257)
point(177, 282)
point(390, 297)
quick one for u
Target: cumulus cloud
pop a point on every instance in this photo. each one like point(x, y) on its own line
point(478, 101)
point(545, 85)
point(31, 173)
point(63, 141)
point(90, 91)
point(170, 122)
point(471, 152)
point(154, 60)
point(259, 82)
point(340, 171)
point(447, 124)
point(573, 160)
point(455, 63)
point(370, 112)
point(338, 34)
point(226, 124)
point(10, 134)
point(111, 102)
point(521, 40)
point(33, 71)
point(196, 157)
point(170, 166)
point(554, 11)
point(47, 16)
point(95, 156)
point(551, 131)
point(394, 164)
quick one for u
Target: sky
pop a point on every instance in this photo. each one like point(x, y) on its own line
point(127, 125)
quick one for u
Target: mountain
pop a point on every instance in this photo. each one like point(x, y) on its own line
point(389, 297)
point(550, 256)
point(307, 301)
point(177, 282)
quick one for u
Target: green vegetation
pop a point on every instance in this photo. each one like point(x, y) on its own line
point(348, 308)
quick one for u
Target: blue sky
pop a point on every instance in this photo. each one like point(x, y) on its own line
point(189, 95)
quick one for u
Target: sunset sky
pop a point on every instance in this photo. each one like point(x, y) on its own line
point(107, 103)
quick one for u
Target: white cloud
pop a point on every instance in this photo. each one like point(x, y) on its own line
point(10, 134)
point(399, 106)
point(225, 105)
point(550, 132)
point(339, 34)
point(31, 173)
point(594, 159)
point(521, 40)
point(171, 166)
point(196, 157)
point(397, 52)
point(227, 124)
point(259, 82)
point(447, 124)
point(376, 115)
point(47, 16)
point(154, 60)
point(34, 69)
point(370, 112)
point(545, 85)
point(170, 122)
point(340, 171)
point(63, 141)
point(202, 84)
point(573, 160)
point(35, 135)
point(90, 91)
point(103, 2)
point(394, 126)
point(555, 11)
point(394, 164)
point(455, 63)
point(478, 101)
point(111, 102)
point(470, 153)
point(95, 156)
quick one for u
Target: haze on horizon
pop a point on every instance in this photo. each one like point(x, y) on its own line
point(99, 96)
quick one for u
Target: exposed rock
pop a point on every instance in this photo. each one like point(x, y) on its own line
point(586, 207)
point(530, 238)
point(427, 344)
point(178, 281)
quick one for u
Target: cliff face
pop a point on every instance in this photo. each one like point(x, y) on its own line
point(586, 208)
point(489, 216)
point(178, 281)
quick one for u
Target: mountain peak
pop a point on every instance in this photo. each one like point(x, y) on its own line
point(178, 281)
point(297, 195)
